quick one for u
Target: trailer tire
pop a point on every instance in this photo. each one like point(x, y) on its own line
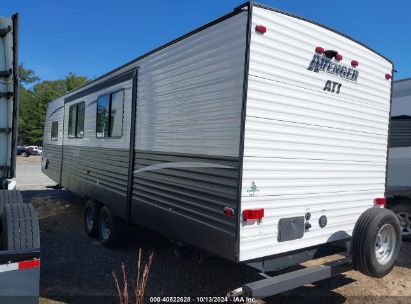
point(376, 242)
point(403, 212)
point(110, 229)
point(91, 213)
point(20, 228)
point(8, 197)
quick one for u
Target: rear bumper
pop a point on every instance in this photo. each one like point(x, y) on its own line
point(19, 277)
point(287, 259)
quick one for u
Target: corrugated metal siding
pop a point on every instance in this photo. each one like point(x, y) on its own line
point(188, 186)
point(399, 162)
point(189, 116)
point(190, 94)
point(306, 150)
point(106, 168)
point(400, 132)
point(52, 150)
point(55, 112)
point(53, 154)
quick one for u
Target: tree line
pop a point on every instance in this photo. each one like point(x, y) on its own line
point(35, 94)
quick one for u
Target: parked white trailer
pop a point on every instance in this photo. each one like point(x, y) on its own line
point(260, 137)
point(19, 230)
point(399, 161)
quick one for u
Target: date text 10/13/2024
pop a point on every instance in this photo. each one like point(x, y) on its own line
point(201, 299)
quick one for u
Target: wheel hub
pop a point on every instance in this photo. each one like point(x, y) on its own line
point(385, 244)
point(105, 227)
point(405, 222)
point(89, 219)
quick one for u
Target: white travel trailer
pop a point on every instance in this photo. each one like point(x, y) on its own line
point(399, 161)
point(260, 137)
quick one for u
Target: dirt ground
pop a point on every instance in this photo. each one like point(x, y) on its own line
point(77, 269)
point(33, 159)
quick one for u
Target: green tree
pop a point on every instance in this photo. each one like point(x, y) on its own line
point(34, 98)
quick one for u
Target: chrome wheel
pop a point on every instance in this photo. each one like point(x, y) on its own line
point(105, 227)
point(405, 222)
point(385, 244)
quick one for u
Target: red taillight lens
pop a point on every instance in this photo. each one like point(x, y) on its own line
point(253, 214)
point(338, 57)
point(380, 201)
point(388, 76)
point(319, 50)
point(228, 211)
point(261, 29)
point(354, 63)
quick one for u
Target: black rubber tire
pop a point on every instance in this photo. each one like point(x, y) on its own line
point(94, 208)
point(20, 228)
point(115, 227)
point(402, 207)
point(364, 240)
point(8, 197)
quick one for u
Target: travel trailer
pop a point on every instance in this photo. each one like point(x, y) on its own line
point(19, 229)
point(260, 137)
point(399, 161)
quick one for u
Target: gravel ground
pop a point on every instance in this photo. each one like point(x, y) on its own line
point(77, 269)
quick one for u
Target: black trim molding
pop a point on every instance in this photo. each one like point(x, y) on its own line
point(103, 85)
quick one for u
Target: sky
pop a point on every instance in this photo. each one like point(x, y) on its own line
point(92, 37)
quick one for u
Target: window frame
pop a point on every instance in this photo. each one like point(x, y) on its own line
point(76, 118)
point(109, 113)
point(51, 131)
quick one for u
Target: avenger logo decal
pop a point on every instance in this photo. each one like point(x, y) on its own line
point(324, 64)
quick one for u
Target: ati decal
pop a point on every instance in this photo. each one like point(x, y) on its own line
point(253, 189)
point(332, 86)
point(322, 63)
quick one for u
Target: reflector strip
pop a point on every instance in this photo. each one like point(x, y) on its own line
point(20, 265)
point(9, 267)
point(29, 264)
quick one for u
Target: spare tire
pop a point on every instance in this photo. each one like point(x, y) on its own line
point(20, 228)
point(10, 197)
point(376, 242)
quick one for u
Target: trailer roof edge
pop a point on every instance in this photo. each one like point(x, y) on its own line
point(321, 25)
point(234, 12)
point(404, 79)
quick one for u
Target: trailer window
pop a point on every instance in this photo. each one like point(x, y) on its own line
point(76, 120)
point(110, 110)
point(400, 131)
point(54, 130)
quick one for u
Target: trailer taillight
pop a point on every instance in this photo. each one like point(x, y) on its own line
point(380, 202)
point(319, 50)
point(253, 214)
point(261, 29)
